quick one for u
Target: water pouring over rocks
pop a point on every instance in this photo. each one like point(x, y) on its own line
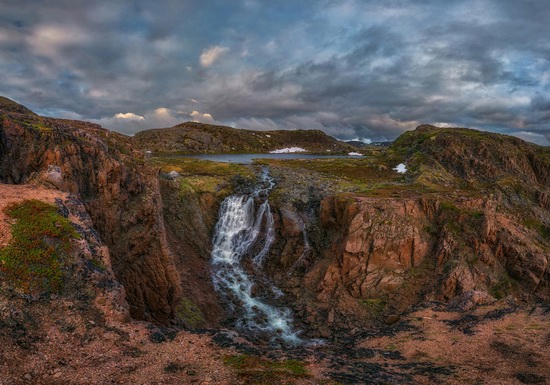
point(242, 237)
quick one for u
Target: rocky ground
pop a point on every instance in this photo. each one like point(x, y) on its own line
point(492, 345)
point(71, 339)
point(439, 275)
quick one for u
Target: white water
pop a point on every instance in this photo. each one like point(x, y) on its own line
point(245, 231)
point(307, 250)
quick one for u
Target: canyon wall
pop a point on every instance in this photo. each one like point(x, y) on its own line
point(376, 257)
point(120, 193)
point(344, 260)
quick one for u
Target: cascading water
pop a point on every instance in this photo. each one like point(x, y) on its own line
point(245, 232)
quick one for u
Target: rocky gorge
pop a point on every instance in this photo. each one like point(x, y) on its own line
point(361, 253)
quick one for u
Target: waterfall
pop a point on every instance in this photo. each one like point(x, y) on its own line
point(244, 234)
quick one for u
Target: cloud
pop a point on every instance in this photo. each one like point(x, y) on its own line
point(532, 137)
point(49, 39)
point(130, 123)
point(354, 69)
point(210, 55)
point(129, 116)
point(201, 118)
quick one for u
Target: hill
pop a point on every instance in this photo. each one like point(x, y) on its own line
point(199, 138)
point(473, 156)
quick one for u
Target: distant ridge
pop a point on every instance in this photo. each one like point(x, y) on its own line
point(195, 138)
point(360, 144)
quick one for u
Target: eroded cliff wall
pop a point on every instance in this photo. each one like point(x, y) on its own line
point(121, 194)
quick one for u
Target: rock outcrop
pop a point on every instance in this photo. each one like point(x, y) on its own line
point(121, 194)
point(474, 156)
point(375, 256)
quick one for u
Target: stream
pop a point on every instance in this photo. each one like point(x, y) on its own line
point(242, 237)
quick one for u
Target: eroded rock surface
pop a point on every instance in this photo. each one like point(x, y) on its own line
point(120, 193)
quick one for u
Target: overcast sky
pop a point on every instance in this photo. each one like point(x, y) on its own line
point(368, 69)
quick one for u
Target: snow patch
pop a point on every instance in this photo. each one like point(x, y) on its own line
point(400, 168)
point(354, 154)
point(288, 150)
point(268, 136)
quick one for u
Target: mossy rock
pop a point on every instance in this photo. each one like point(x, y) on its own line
point(41, 241)
point(190, 314)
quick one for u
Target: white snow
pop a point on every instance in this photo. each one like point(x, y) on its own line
point(287, 150)
point(268, 136)
point(354, 154)
point(400, 168)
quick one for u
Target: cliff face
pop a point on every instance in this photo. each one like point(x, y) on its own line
point(120, 193)
point(87, 289)
point(375, 257)
point(198, 138)
point(461, 228)
point(190, 218)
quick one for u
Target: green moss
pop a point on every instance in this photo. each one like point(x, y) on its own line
point(190, 313)
point(98, 264)
point(502, 288)
point(41, 240)
point(538, 226)
point(258, 370)
point(190, 166)
point(202, 176)
point(449, 207)
point(374, 306)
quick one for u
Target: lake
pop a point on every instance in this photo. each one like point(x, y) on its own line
point(249, 158)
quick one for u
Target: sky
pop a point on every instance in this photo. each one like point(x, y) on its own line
point(356, 69)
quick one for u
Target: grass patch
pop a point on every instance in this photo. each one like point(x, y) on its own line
point(374, 306)
point(190, 167)
point(357, 171)
point(41, 240)
point(538, 226)
point(258, 370)
point(189, 313)
point(203, 176)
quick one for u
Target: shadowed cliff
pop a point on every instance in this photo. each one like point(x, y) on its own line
point(120, 193)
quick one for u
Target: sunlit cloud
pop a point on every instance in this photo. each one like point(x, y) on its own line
point(211, 55)
point(129, 116)
point(201, 118)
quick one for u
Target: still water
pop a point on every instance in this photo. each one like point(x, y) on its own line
point(249, 158)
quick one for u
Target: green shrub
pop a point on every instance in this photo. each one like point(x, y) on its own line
point(258, 370)
point(41, 240)
point(374, 306)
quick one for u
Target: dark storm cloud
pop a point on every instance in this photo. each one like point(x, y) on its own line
point(356, 69)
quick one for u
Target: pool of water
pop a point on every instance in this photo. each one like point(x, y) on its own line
point(249, 158)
